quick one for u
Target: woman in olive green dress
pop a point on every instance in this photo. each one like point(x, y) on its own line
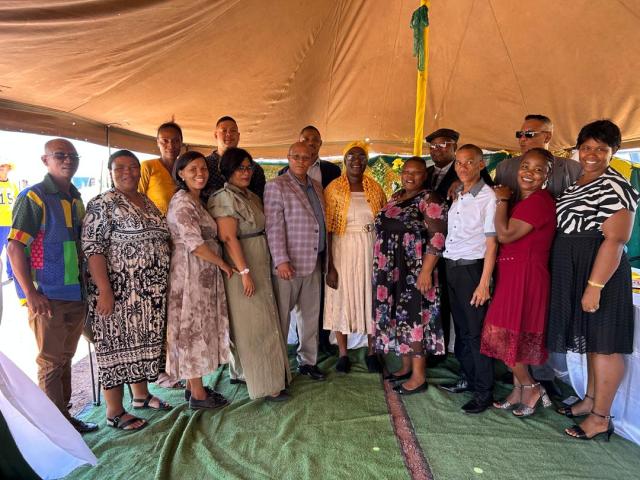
point(253, 314)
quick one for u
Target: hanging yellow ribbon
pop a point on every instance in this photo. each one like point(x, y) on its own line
point(420, 24)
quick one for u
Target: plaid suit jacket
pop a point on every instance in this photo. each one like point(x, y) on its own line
point(291, 226)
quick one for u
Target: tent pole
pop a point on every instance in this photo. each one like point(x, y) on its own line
point(421, 92)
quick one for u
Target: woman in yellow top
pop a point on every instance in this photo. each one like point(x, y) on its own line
point(352, 201)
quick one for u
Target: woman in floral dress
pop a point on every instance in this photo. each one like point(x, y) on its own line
point(198, 322)
point(410, 234)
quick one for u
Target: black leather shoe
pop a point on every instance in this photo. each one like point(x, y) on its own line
point(343, 365)
point(83, 427)
point(311, 371)
point(476, 405)
point(460, 386)
point(405, 391)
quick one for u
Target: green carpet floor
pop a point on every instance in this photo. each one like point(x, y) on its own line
point(495, 445)
point(338, 429)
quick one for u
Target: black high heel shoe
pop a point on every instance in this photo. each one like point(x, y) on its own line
point(581, 434)
point(566, 411)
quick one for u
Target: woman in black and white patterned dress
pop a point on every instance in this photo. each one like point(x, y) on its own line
point(591, 307)
point(125, 239)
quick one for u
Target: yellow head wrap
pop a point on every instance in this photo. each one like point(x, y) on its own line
point(359, 144)
point(338, 194)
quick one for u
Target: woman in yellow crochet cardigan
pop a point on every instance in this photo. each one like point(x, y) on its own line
point(352, 201)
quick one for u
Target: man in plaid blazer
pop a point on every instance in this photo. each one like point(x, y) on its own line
point(296, 233)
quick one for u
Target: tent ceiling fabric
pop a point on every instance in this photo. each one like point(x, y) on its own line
point(70, 68)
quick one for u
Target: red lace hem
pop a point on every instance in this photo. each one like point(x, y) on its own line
point(513, 347)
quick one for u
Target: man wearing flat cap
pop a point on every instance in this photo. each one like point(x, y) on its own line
point(443, 144)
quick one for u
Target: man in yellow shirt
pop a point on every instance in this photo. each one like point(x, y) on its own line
point(156, 181)
point(8, 194)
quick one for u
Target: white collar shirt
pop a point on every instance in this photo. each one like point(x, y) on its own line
point(314, 171)
point(471, 219)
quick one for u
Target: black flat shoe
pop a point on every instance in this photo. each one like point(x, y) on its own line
point(405, 391)
point(395, 378)
point(373, 364)
point(343, 365)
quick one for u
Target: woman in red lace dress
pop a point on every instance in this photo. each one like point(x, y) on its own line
point(514, 329)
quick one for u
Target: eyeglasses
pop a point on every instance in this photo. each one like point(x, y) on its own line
point(61, 156)
point(354, 156)
point(441, 146)
point(246, 168)
point(529, 133)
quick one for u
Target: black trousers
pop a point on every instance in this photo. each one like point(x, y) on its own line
point(323, 335)
point(462, 281)
point(445, 309)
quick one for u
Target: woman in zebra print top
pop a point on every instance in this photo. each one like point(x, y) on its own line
point(591, 307)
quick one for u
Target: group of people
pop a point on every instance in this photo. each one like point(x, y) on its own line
point(196, 261)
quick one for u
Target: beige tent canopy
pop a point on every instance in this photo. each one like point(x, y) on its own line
point(73, 68)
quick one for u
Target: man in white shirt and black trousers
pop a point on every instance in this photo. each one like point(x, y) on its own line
point(470, 255)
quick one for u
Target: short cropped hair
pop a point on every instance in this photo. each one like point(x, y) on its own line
point(474, 148)
point(226, 118)
point(602, 130)
point(538, 117)
point(121, 153)
point(310, 127)
point(173, 125)
point(231, 160)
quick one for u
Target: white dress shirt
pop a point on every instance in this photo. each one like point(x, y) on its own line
point(470, 221)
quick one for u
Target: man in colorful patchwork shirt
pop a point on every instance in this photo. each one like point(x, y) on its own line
point(43, 249)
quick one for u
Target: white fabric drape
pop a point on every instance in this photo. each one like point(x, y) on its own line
point(47, 441)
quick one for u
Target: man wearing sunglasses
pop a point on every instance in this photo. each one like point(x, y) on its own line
point(43, 248)
point(536, 132)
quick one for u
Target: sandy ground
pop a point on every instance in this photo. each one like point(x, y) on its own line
point(18, 343)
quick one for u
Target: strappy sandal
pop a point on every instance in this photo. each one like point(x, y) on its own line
point(116, 422)
point(525, 410)
point(506, 404)
point(162, 405)
point(579, 433)
point(567, 412)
